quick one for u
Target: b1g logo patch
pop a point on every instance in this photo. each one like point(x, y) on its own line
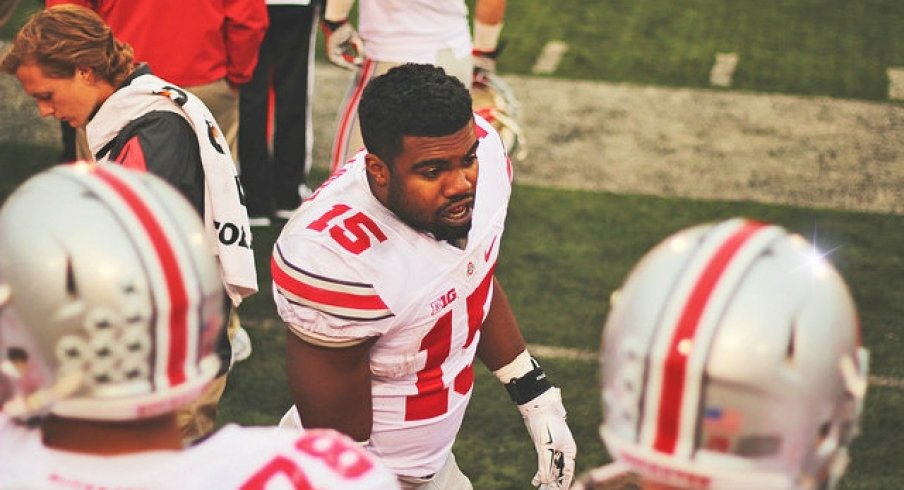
point(439, 304)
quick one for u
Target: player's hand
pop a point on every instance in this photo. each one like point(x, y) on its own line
point(544, 417)
point(484, 61)
point(344, 47)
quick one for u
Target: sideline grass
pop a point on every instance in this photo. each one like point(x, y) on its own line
point(809, 47)
point(563, 254)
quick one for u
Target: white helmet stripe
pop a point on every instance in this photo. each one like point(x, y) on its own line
point(690, 321)
point(174, 305)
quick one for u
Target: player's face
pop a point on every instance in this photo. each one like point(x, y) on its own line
point(67, 99)
point(433, 182)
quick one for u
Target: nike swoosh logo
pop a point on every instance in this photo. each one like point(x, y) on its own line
point(486, 255)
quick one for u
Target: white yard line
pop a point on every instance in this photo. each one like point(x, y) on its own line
point(723, 70)
point(550, 57)
point(553, 352)
point(567, 353)
point(895, 82)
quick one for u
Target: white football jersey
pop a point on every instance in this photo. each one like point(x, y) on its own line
point(234, 457)
point(345, 268)
point(413, 30)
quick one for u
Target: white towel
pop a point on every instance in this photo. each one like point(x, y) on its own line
point(225, 216)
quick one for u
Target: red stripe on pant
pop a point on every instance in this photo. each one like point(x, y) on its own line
point(349, 115)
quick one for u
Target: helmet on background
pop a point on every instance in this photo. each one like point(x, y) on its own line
point(733, 359)
point(494, 100)
point(110, 298)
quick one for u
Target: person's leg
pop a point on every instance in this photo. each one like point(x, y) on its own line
point(82, 150)
point(293, 84)
point(254, 158)
point(67, 138)
point(460, 68)
point(449, 477)
point(348, 139)
point(198, 418)
point(223, 102)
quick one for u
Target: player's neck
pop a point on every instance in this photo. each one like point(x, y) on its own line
point(109, 438)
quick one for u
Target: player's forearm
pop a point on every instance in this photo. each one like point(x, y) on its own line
point(337, 10)
point(490, 11)
point(500, 337)
point(488, 22)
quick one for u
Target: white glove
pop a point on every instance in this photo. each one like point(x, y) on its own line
point(544, 417)
point(344, 47)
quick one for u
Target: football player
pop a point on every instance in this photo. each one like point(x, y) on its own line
point(110, 306)
point(385, 279)
point(731, 359)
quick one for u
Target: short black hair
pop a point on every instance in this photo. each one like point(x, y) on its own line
point(411, 100)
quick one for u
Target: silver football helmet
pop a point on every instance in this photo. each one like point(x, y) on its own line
point(732, 359)
point(110, 297)
point(494, 100)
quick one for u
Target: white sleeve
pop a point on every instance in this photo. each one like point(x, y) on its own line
point(323, 297)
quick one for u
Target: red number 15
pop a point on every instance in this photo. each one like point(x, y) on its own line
point(351, 234)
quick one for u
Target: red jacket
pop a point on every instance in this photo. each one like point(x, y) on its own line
point(188, 42)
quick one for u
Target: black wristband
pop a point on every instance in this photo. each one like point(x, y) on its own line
point(333, 25)
point(531, 385)
point(485, 54)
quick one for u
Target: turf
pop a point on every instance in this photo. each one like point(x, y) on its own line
point(809, 47)
point(566, 251)
point(815, 47)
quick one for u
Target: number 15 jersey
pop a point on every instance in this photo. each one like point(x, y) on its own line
point(345, 269)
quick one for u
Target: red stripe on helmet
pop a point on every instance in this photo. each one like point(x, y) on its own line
point(675, 365)
point(169, 265)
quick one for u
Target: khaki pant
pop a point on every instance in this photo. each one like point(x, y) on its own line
point(223, 102)
point(449, 477)
point(199, 417)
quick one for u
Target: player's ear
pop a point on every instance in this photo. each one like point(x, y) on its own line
point(377, 168)
point(84, 74)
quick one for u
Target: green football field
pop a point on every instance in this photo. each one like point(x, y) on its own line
point(565, 251)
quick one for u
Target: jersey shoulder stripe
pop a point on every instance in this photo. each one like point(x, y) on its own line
point(344, 299)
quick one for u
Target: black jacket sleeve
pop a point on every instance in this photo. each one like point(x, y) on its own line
point(163, 143)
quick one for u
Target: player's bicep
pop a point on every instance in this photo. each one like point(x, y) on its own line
point(318, 294)
point(330, 385)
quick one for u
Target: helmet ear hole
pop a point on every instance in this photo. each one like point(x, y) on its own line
point(789, 352)
point(71, 286)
